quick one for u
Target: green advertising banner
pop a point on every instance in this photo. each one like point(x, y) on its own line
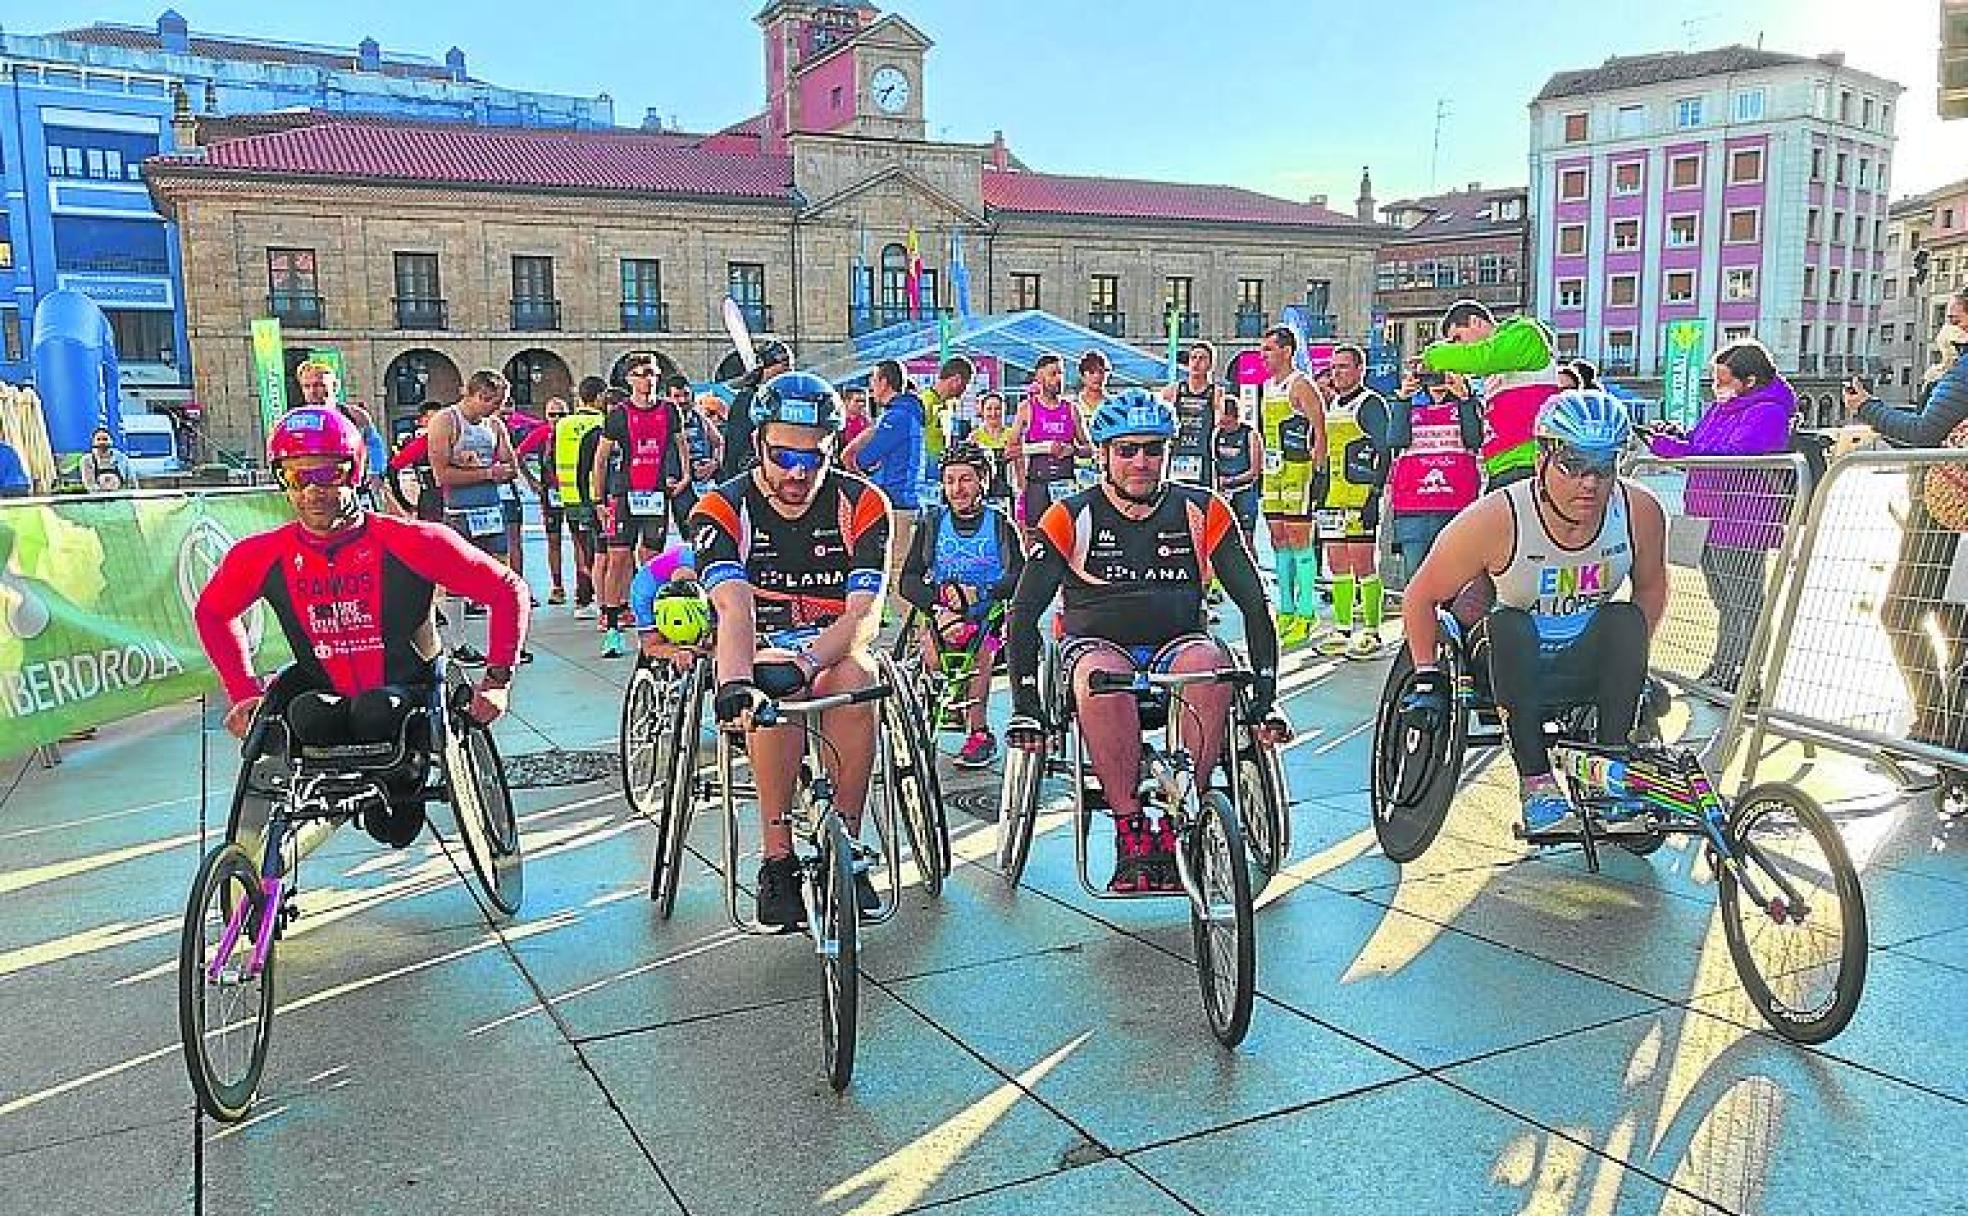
point(1687, 360)
point(269, 371)
point(96, 598)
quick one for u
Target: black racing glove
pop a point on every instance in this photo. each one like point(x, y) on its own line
point(1425, 706)
point(1263, 698)
point(1025, 701)
point(778, 678)
point(734, 698)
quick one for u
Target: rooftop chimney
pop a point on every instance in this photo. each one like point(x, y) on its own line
point(1000, 152)
point(172, 33)
point(1363, 206)
point(454, 63)
point(184, 128)
point(652, 119)
point(368, 56)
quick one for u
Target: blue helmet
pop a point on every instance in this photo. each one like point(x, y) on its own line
point(799, 399)
point(1132, 412)
point(1589, 419)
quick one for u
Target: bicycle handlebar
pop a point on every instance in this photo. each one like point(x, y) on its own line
point(770, 713)
point(1142, 681)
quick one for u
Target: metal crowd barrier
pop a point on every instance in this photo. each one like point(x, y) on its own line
point(1735, 524)
point(1868, 647)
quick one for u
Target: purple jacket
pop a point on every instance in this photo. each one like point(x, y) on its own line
point(1748, 508)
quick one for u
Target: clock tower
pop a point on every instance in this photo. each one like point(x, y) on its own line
point(840, 67)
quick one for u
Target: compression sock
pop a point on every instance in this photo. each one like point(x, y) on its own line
point(1343, 586)
point(1308, 581)
point(1373, 599)
point(613, 616)
point(1287, 572)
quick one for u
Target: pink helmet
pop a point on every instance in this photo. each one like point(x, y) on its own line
point(313, 430)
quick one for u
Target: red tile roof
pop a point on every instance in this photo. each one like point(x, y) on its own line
point(510, 157)
point(246, 50)
point(1120, 198)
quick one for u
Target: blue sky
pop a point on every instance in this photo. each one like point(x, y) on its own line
point(1228, 91)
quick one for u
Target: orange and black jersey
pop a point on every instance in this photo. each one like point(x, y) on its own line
point(802, 570)
point(1135, 582)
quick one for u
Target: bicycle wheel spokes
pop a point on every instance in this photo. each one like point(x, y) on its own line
point(1794, 915)
point(225, 983)
point(642, 743)
point(839, 938)
point(1225, 938)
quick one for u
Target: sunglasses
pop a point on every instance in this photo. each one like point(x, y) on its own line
point(1580, 465)
point(641, 373)
point(1128, 449)
point(795, 460)
point(295, 479)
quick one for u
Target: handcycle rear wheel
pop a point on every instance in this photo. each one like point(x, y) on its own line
point(643, 735)
point(839, 912)
point(909, 773)
point(684, 749)
point(1802, 956)
point(480, 801)
point(226, 1024)
point(1226, 939)
point(1415, 772)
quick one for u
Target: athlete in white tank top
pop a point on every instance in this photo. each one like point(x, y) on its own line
point(1561, 588)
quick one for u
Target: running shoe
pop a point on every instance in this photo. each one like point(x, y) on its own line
point(557, 596)
point(1292, 630)
point(467, 654)
point(1318, 632)
point(1364, 646)
point(779, 903)
point(978, 750)
point(611, 645)
point(1133, 841)
point(1546, 811)
point(586, 612)
point(1333, 644)
point(1158, 867)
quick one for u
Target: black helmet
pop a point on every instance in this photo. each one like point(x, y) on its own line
point(966, 453)
point(799, 399)
point(774, 351)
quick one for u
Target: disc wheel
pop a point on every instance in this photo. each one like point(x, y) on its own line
point(1415, 771)
point(1801, 954)
point(225, 1012)
point(1226, 938)
point(839, 934)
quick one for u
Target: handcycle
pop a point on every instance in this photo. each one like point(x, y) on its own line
point(827, 856)
point(942, 687)
point(1214, 866)
point(289, 796)
point(1785, 881)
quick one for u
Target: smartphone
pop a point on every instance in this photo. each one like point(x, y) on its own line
point(1430, 379)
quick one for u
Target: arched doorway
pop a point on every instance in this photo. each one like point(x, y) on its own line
point(665, 366)
point(538, 375)
point(417, 376)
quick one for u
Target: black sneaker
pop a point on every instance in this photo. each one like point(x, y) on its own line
point(474, 610)
point(779, 903)
point(864, 894)
point(467, 654)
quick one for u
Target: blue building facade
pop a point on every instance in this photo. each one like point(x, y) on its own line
point(81, 108)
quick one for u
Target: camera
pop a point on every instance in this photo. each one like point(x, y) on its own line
point(1430, 379)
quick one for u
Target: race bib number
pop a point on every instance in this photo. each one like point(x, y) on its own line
point(1187, 468)
point(1059, 490)
point(645, 504)
point(1332, 523)
point(1274, 461)
point(553, 496)
point(507, 493)
point(484, 521)
point(702, 488)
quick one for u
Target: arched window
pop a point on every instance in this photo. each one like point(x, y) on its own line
point(894, 300)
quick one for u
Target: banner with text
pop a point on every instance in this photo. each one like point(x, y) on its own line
point(269, 371)
point(1685, 372)
point(96, 598)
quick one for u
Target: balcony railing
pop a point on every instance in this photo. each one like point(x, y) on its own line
point(1436, 299)
point(758, 317)
point(1620, 365)
point(535, 314)
point(876, 316)
point(420, 312)
point(298, 309)
point(645, 317)
point(1107, 321)
point(114, 263)
point(1323, 325)
point(1251, 323)
point(1188, 325)
point(1807, 365)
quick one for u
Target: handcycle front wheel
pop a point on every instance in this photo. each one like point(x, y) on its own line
point(909, 774)
point(643, 737)
point(839, 913)
point(1415, 772)
point(1225, 936)
point(481, 804)
point(1801, 952)
point(1263, 802)
point(226, 1020)
point(1018, 809)
point(684, 728)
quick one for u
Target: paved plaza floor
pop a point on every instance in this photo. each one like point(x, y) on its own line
point(1484, 1030)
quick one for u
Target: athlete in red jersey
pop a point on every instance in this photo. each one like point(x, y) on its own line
point(352, 592)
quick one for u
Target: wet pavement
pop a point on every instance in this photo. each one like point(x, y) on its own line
point(1483, 1030)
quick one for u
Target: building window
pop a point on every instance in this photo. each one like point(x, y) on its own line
point(1489, 269)
point(1568, 344)
point(1838, 227)
point(1510, 210)
point(1250, 297)
point(1683, 231)
point(293, 287)
point(1892, 242)
point(1571, 185)
point(1684, 172)
point(1817, 164)
point(745, 283)
point(419, 294)
point(1821, 99)
point(1626, 177)
point(1886, 117)
point(1878, 229)
point(642, 296)
point(1810, 282)
point(1745, 166)
point(143, 335)
point(1571, 293)
point(1865, 171)
point(10, 335)
point(1680, 286)
point(96, 155)
point(1180, 292)
point(1841, 173)
point(1834, 280)
point(1947, 217)
point(1739, 284)
point(1631, 121)
point(533, 304)
point(1734, 333)
point(1387, 277)
point(1743, 226)
point(1813, 225)
point(1626, 235)
point(1845, 105)
point(1907, 334)
point(1749, 105)
point(1571, 240)
point(6, 242)
point(1858, 287)
point(1619, 346)
point(1623, 291)
point(1865, 112)
point(1892, 289)
point(1688, 112)
point(1025, 292)
point(1575, 128)
point(1104, 304)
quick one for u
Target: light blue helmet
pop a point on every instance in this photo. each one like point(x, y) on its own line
point(1589, 419)
point(1132, 412)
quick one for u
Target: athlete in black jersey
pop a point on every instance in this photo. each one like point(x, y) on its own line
point(1195, 399)
point(1133, 556)
point(792, 553)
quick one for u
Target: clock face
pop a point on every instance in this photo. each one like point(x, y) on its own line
point(890, 86)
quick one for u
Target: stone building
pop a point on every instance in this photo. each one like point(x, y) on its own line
point(1466, 244)
point(1927, 251)
point(437, 249)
